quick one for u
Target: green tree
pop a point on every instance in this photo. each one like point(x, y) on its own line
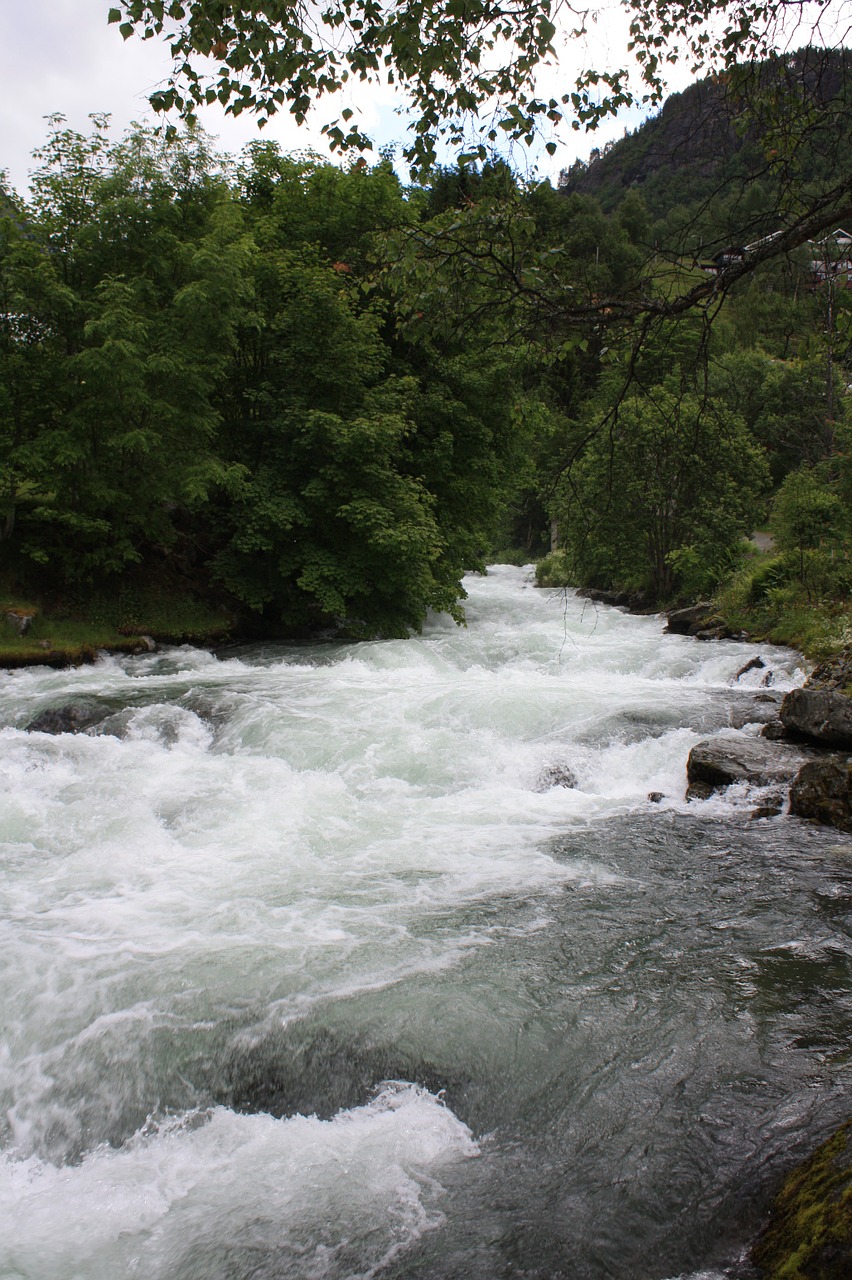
point(785, 404)
point(661, 497)
point(123, 279)
point(808, 521)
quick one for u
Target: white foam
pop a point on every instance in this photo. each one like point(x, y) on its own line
point(363, 1184)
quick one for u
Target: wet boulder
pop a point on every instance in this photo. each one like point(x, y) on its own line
point(822, 791)
point(757, 708)
point(619, 599)
point(820, 715)
point(74, 717)
point(754, 664)
point(556, 775)
point(689, 621)
point(720, 762)
point(702, 621)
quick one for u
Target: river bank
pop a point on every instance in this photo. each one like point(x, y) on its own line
point(44, 633)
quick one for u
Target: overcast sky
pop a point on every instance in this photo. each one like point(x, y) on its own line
point(62, 56)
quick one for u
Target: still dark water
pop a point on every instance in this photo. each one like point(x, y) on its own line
point(310, 968)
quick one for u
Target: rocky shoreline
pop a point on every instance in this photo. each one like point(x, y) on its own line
point(806, 748)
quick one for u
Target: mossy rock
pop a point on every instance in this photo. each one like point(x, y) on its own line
point(809, 1234)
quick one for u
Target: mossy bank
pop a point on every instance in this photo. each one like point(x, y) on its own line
point(59, 633)
point(809, 1233)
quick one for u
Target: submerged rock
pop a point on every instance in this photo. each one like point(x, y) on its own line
point(716, 764)
point(75, 717)
point(556, 775)
point(822, 715)
point(822, 791)
point(809, 1233)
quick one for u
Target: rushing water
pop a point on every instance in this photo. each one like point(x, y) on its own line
point(312, 967)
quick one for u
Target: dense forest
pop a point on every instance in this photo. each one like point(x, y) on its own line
point(311, 397)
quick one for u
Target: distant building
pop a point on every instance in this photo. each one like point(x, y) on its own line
point(831, 259)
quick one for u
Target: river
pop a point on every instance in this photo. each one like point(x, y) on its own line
point(312, 967)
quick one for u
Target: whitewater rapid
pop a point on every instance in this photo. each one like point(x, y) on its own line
point(344, 960)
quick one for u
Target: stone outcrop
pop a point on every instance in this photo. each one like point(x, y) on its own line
point(834, 673)
point(821, 715)
point(701, 621)
point(822, 791)
point(721, 762)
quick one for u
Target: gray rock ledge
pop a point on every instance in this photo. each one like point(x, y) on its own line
point(823, 716)
point(822, 792)
point(719, 762)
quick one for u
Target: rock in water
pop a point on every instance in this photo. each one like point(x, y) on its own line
point(556, 775)
point(73, 718)
point(688, 621)
point(822, 791)
point(718, 763)
point(823, 715)
point(755, 664)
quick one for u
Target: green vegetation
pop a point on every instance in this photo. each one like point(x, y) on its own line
point(809, 1236)
point(468, 71)
point(77, 626)
point(306, 398)
point(206, 385)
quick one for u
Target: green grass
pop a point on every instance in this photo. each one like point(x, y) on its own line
point(761, 600)
point(73, 629)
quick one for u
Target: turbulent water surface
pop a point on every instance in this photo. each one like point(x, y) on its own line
point(313, 966)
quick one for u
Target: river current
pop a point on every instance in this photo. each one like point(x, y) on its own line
point(313, 966)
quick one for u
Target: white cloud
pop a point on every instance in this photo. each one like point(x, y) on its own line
point(62, 56)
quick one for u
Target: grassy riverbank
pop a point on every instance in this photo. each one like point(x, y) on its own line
point(818, 626)
point(761, 599)
point(65, 632)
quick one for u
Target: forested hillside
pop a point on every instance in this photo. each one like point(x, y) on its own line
point(710, 141)
point(311, 397)
point(733, 416)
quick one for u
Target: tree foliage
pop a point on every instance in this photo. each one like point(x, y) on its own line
point(202, 370)
point(660, 499)
point(463, 65)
